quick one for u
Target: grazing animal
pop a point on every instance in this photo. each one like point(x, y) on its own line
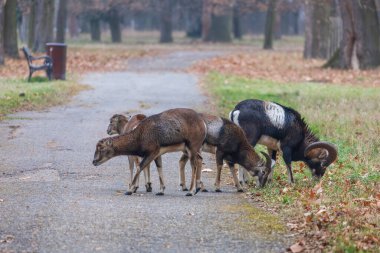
point(120, 124)
point(283, 129)
point(228, 142)
point(173, 130)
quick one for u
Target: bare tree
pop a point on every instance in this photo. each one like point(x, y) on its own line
point(44, 13)
point(32, 23)
point(360, 46)
point(217, 20)
point(2, 3)
point(61, 21)
point(192, 13)
point(317, 26)
point(114, 22)
point(269, 24)
point(166, 21)
point(206, 19)
point(95, 27)
point(10, 29)
point(238, 34)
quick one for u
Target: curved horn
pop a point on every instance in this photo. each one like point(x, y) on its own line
point(331, 148)
point(268, 163)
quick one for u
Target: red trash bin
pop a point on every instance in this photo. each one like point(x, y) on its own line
point(57, 51)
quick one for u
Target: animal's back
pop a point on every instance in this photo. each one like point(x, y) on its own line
point(268, 118)
point(174, 126)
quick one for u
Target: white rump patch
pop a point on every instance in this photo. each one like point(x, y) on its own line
point(275, 113)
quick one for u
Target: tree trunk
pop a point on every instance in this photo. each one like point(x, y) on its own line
point(221, 28)
point(277, 25)
point(166, 21)
point(95, 29)
point(321, 29)
point(2, 32)
point(32, 24)
point(269, 24)
point(206, 19)
point(114, 22)
point(23, 27)
point(238, 34)
point(308, 30)
point(360, 46)
point(44, 24)
point(193, 23)
point(10, 29)
point(73, 26)
point(61, 21)
point(295, 24)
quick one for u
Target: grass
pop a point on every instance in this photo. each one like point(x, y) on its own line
point(344, 205)
point(18, 94)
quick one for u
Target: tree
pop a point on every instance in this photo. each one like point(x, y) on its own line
point(206, 19)
point(221, 27)
point(2, 2)
point(278, 20)
point(269, 24)
point(360, 46)
point(10, 29)
point(95, 27)
point(217, 21)
point(44, 13)
point(23, 7)
point(193, 17)
point(32, 24)
point(61, 21)
point(318, 28)
point(238, 34)
point(166, 21)
point(114, 22)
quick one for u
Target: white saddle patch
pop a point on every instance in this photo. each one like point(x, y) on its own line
point(234, 116)
point(275, 113)
point(213, 127)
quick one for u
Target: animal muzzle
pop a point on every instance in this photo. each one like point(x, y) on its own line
point(95, 162)
point(109, 131)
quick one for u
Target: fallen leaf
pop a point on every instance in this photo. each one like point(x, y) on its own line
point(292, 225)
point(7, 239)
point(285, 190)
point(297, 247)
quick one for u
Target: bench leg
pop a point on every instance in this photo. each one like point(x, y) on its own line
point(30, 75)
point(48, 73)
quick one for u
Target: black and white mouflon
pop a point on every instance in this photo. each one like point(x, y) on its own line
point(283, 129)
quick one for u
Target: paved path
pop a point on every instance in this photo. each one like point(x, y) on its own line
point(53, 200)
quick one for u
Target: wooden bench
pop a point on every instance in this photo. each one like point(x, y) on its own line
point(47, 64)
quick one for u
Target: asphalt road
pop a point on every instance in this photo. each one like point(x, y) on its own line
point(52, 199)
